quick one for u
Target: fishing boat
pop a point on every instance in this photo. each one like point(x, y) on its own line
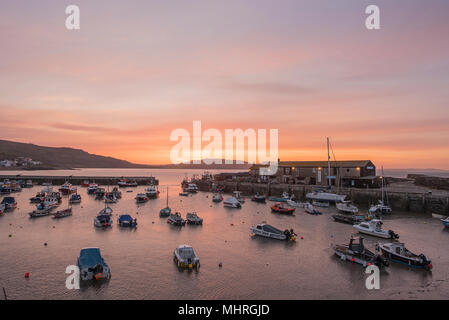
point(141, 198)
point(445, 222)
point(165, 212)
point(279, 208)
point(100, 193)
point(217, 198)
point(67, 188)
point(397, 252)
point(117, 193)
point(105, 211)
point(103, 221)
point(185, 257)
point(176, 219)
point(48, 203)
point(92, 266)
point(109, 197)
point(40, 213)
point(347, 207)
point(268, 231)
point(310, 209)
point(192, 218)
point(152, 192)
point(191, 188)
point(39, 197)
point(354, 219)
point(75, 198)
point(62, 213)
point(123, 183)
point(92, 188)
point(232, 202)
point(125, 220)
point(374, 228)
point(285, 196)
point(356, 252)
point(296, 204)
point(382, 206)
point(322, 204)
point(9, 203)
point(259, 198)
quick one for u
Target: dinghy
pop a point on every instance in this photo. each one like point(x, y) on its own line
point(310, 209)
point(322, 204)
point(105, 211)
point(397, 252)
point(185, 257)
point(356, 252)
point(192, 218)
point(279, 208)
point(268, 231)
point(217, 198)
point(374, 228)
point(285, 196)
point(92, 266)
point(258, 198)
point(347, 207)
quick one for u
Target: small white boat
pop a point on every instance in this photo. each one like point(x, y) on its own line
point(268, 231)
point(192, 218)
point(217, 198)
point(105, 211)
point(310, 209)
point(285, 196)
point(445, 222)
point(296, 204)
point(325, 196)
point(232, 202)
point(380, 208)
point(238, 196)
point(191, 188)
point(374, 228)
point(347, 207)
point(185, 257)
point(438, 216)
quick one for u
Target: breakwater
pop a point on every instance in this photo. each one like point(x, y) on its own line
point(419, 202)
point(78, 180)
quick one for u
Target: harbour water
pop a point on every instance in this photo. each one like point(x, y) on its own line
point(142, 264)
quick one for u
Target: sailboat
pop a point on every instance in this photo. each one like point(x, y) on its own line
point(382, 206)
point(165, 212)
point(322, 195)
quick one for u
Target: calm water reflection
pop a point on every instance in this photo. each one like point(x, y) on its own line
point(253, 268)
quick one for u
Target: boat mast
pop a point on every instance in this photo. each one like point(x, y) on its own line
point(167, 196)
point(382, 185)
point(328, 163)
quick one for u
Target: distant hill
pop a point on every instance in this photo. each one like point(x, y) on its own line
point(69, 158)
point(60, 158)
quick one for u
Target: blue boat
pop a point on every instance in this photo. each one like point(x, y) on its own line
point(9, 202)
point(92, 265)
point(445, 222)
point(125, 220)
point(283, 198)
point(75, 198)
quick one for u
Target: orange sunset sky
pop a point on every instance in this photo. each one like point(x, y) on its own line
point(136, 70)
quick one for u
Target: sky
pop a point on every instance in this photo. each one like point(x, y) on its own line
point(137, 70)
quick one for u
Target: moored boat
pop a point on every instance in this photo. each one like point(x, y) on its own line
point(296, 204)
point(85, 183)
point(185, 257)
point(125, 220)
point(445, 222)
point(354, 219)
point(259, 198)
point(285, 196)
point(67, 188)
point(105, 211)
point(141, 198)
point(357, 253)
point(325, 196)
point(92, 266)
point(347, 207)
point(191, 188)
point(151, 192)
point(232, 202)
point(279, 208)
point(92, 188)
point(165, 212)
point(374, 228)
point(268, 231)
point(217, 198)
point(62, 213)
point(192, 218)
point(40, 213)
point(75, 198)
point(238, 196)
point(322, 204)
point(123, 183)
point(397, 252)
point(9, 203)
point(310, 209)
point(103, 221)
point(109, 197)
point(176, 219)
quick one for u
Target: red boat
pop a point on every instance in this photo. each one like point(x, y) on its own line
point(85, 183)
point(279, 208)
point(67, 188)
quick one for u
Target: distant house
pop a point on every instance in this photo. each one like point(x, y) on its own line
point(355, 173)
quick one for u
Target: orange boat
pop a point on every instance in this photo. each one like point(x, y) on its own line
point(279, 208)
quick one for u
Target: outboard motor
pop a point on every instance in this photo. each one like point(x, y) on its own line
point(381, 262)
point(393, 234)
